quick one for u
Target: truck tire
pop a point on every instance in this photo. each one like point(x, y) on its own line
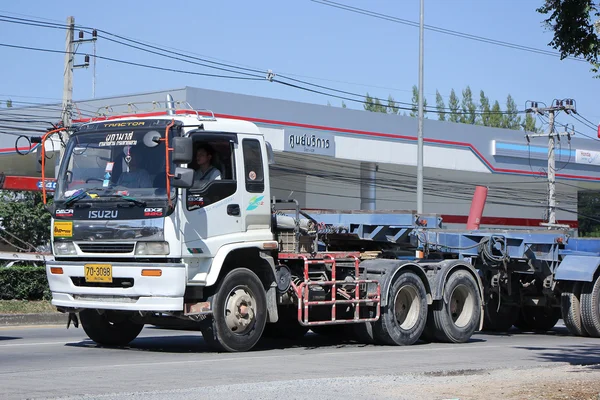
point(457, 315)
point(571, 309)
point(109, 329)
point(590, 307)
point(499, 319)
point(403, 319)
point(239, 312)
point(537, 319)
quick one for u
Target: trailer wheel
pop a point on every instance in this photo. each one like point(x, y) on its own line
point(458, 315)
point(537, 319)
point(403, 319)
point(590, 307)
point(571, 309)
point(499, 319)
point(110, 329)
point(239, 312)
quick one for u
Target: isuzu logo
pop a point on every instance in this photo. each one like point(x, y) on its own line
point(103, 214)
point(153, 212)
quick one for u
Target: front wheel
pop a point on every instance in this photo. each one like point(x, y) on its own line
point(239, 312)
point(109, 328)
point(457, 315)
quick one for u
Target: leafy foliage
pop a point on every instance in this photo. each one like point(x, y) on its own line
point(468, 107)
point(415, 103)
point(24, 283)
point(464, 111)
point(588, 210)
point(574, 31)
point(441, 107)
point(453, 105)
point(23, 216)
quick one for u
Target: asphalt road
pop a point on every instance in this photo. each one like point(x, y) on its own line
point(53, 362)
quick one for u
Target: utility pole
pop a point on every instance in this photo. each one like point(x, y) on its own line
point(420, 129)
point(67, 99)
point(568, 106)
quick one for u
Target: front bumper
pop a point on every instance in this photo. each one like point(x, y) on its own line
point(144, 293)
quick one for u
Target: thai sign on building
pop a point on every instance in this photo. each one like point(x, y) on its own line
point(312, 143)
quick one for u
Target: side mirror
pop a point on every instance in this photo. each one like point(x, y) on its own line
point(270, 154)
point(183, 177)
point(182, 150)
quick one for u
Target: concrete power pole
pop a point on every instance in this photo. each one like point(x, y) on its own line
point(566, 105)
point(67, 99)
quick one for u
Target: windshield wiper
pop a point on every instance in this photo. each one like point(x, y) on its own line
point(129, 199)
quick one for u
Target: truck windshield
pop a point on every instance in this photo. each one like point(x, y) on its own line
point(113, 163)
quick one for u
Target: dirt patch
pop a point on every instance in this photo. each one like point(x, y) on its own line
point(565, 383)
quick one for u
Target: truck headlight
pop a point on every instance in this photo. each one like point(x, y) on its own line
point(65, 249)
point(152, 248)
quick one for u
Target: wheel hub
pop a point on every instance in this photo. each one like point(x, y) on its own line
point(407, 307)
point(239, 310)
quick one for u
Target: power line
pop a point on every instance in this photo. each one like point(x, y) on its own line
point(133, 63)
point(443, 30)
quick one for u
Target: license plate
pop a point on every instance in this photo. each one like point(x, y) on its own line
point(98, 273)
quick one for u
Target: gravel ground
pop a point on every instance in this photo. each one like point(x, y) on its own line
point(547, 383)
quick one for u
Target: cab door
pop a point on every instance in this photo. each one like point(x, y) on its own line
point(213, 214)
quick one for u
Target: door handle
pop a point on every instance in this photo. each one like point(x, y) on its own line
point(233, 209)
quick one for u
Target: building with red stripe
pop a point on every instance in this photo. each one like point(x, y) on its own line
point(337, 158)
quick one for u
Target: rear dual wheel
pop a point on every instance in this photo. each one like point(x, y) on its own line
point(456, 317)
point(570, 303)
point(403, 319)
point(590, 307)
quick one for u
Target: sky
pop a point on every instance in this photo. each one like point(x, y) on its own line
point(299, 39)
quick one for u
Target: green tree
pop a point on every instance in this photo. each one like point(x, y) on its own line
point(495, 120)
point(528, 124)
point(440, 106)
point(573, 24)
point(511, 120)
point(588, 208)
point(374, 105)
point(392, 107)
point(468, 107)
point(415, 103)
point(8, 103)
point(453, 105)
point(484, 108)
point(24, 216)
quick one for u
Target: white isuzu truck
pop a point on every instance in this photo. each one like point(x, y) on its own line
point(138, 239)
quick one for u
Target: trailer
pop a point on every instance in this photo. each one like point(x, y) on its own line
point(531, 279)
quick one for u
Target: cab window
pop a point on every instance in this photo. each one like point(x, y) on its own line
point(253, 166)
point(214, 171)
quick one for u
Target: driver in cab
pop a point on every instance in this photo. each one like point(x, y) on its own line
point(137, 176)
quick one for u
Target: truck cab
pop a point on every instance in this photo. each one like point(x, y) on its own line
point(134, 229)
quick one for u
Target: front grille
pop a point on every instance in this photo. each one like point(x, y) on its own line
point(116, 283)
point(106, 247)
